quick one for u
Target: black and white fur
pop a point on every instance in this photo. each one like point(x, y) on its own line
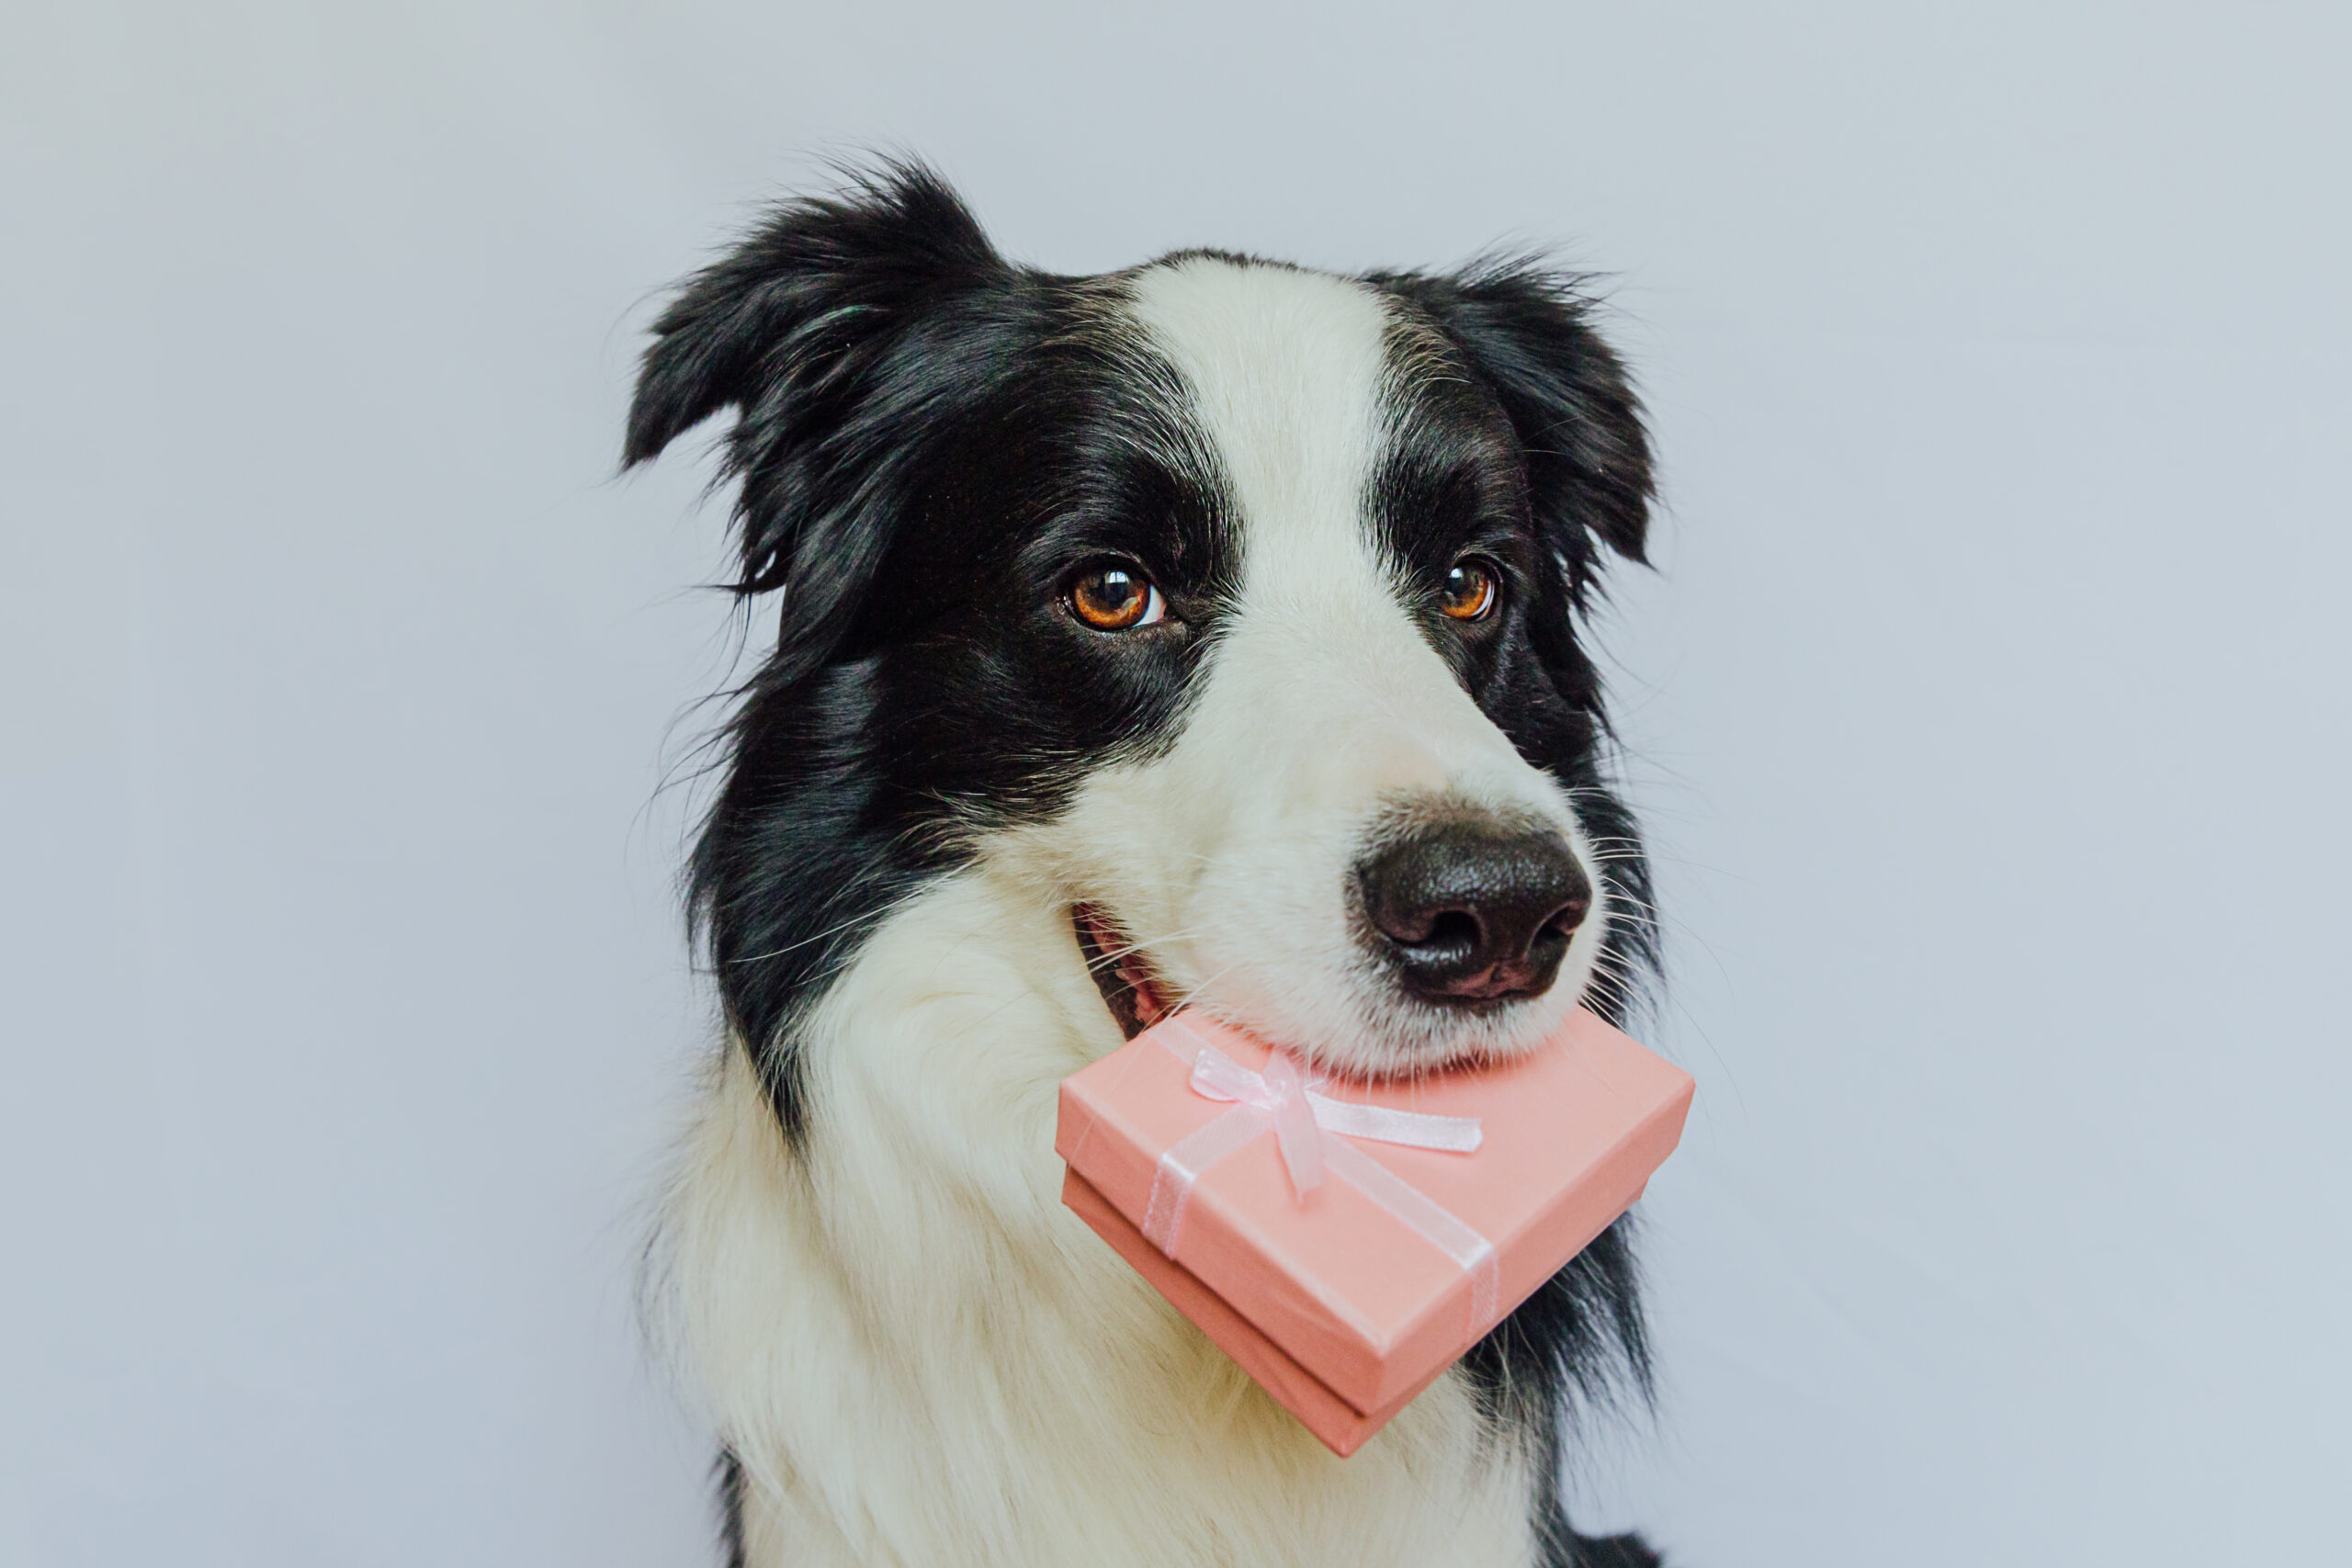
point(913, 1353)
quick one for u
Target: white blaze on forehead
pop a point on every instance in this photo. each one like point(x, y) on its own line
point(1286, 369)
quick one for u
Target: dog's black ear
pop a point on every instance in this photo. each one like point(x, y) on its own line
point(833, 330)
point(1527, 333)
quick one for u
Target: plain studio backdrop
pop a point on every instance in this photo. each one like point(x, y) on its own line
point(1987, 711)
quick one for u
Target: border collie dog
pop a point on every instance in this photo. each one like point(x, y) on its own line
point(1201, 635)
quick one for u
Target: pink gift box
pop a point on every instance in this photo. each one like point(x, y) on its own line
point(1196, 1153)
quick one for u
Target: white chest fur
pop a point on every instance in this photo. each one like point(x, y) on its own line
point(920, 1357)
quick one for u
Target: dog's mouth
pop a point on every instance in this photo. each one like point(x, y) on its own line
point(1131, 987)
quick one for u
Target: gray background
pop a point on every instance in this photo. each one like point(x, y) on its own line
point(1987, 712)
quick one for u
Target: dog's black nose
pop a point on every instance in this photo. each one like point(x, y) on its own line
point(1472, 910)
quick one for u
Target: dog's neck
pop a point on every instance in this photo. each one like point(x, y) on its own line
point(918, 1354)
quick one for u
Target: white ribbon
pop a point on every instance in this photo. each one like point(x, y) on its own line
point(1284, 1098)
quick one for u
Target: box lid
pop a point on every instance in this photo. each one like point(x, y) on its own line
point(1568, 1135)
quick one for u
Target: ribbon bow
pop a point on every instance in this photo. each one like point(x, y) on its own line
point(1286, 1098)
point(1302, 1116)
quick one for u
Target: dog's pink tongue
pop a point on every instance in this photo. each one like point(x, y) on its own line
point(1146, 995)
point(1129, 967)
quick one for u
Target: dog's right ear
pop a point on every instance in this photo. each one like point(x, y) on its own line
point(1527, 335)
point(831, 330)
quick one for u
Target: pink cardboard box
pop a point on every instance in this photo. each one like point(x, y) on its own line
point(1345, 1254)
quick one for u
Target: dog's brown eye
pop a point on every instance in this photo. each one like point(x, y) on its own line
point(1115, 596)
point(1469, 592)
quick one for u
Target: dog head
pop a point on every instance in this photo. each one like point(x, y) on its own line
point(1237, 602)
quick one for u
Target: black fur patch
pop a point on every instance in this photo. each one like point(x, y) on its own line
point(728, 1476)
point(928, 441)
